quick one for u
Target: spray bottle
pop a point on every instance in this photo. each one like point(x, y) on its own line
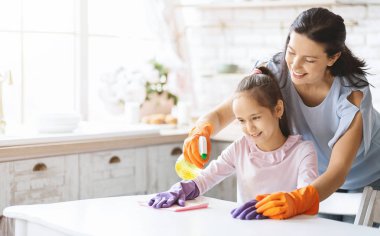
point(189, 171)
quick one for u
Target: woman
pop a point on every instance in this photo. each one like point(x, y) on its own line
point(328, 102)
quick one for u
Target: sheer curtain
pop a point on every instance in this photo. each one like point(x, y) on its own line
point(166, 22)
point(148, 29)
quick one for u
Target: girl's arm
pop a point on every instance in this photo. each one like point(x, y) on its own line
point(308, 168)
point(218, 169)
point(342, 155)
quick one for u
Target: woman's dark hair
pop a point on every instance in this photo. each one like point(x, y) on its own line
point(264, 88)
point(325, 27)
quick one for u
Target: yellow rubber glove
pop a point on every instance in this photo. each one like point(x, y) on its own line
point(283, 205)
point(190, 146)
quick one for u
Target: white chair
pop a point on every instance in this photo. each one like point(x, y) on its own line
point(364, 206)
point(369, 210)
point(347, 204)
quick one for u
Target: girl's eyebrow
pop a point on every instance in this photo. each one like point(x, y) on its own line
point(254, 114)
point(305, 55)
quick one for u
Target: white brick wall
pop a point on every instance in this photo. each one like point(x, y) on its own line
point(244, 35)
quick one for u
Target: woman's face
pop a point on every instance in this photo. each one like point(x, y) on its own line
point(307, 61)
point(257, 121)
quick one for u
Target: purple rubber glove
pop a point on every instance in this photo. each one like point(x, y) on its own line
point(247, 212)
point(178, 193)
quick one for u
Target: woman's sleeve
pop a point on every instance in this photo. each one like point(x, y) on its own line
point(347, 111)
point(308, 168)
point(272, 63)
point(217, 170)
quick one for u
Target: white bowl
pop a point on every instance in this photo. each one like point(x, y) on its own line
point(57, 122)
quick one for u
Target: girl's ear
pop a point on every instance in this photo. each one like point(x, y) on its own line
point(279, 109)
point(333, 59)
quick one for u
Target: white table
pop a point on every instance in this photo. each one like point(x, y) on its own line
point(124, 216)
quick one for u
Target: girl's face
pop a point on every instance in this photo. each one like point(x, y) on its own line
point(307, 60)
point(259, 122)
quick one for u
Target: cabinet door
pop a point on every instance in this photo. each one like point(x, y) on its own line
point(4, 187)
point(43, 180)
point(161, 161)
point(225, 190)
point(112, 173)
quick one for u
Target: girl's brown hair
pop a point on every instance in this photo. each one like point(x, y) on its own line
point(265, 90)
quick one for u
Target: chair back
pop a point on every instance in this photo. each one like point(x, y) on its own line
point(373, 211)
point(369, 210)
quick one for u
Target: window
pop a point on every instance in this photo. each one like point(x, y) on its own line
point(58, 51)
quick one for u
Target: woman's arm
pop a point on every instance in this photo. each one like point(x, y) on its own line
point(283, 205)
point(207, 126)
point(343, 154)
point(219, 117)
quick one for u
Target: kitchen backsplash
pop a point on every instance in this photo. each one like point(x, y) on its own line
point(241, 34)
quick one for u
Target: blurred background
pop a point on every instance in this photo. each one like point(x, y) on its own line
point(123, 60)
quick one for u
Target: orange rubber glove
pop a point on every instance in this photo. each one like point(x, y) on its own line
point(191, 146)
point(283, 205)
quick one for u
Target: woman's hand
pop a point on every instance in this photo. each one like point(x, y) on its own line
point(283, 205)
point(191, 145)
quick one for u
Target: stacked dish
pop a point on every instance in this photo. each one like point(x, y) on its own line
point(57, 122)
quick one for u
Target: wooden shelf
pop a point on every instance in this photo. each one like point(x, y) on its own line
point(276, 3)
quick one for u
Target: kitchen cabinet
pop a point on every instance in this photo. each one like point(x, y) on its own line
point(131, 171)
point(41, 180)
point(161, 173)
point(3, 185)
point(112, 173)
point(225, 190)
point(161, 160)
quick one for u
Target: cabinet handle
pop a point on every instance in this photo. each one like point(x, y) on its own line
point(39, 167)
point(114, 160)
point(176, 151)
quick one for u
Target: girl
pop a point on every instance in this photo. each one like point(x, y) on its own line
point(265, 159)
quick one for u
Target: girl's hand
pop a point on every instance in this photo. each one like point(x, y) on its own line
point(247, 212)
point(177, 194)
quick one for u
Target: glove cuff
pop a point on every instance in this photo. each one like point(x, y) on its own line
point(315, 204)
point(190, 189)
point(310, 194)
point(203, 129)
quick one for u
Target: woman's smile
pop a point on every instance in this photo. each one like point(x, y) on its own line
point(296, 75)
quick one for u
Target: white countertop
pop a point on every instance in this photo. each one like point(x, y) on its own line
point(86, 131)
point(124, 216)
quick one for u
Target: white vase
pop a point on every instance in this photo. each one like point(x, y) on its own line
point(132, 112)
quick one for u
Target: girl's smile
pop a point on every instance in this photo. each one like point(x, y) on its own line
point(260, 123)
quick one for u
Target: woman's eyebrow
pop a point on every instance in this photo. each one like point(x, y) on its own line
point(304, 55)
point(255, 114)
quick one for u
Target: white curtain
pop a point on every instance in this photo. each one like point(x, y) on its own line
point(166, 22)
